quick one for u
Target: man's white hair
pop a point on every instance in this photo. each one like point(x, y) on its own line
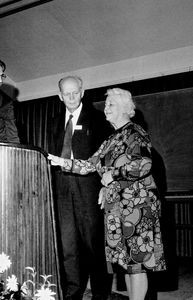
point(73, 77)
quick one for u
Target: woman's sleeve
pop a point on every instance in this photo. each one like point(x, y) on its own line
point(84, 167)
point(138, 160)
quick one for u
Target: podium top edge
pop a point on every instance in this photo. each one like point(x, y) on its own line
point(27, 147)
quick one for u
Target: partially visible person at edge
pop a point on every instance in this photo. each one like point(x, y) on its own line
point(8, 129)
point(129, 196)
point(80, 220)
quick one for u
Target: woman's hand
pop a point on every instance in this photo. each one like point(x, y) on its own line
point(65, 163)
point(107, 178)
point(56, 160)
point(101, 199)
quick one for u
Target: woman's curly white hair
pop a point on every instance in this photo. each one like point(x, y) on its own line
point(125, 97)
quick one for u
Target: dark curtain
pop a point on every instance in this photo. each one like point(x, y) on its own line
point(33, 120)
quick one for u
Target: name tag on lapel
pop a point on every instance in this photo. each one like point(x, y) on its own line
point(78, 127)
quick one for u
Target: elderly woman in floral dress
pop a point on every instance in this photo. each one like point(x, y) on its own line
point(129, 195)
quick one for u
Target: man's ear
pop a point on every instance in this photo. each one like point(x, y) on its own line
point(60, 96)
point(82, 93)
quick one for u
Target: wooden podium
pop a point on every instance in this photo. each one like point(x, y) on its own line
point(27, 222)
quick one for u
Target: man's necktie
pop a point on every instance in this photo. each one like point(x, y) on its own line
point(67, 145)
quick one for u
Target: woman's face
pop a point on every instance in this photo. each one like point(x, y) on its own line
point(113, 110)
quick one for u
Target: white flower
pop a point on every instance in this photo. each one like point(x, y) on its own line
point(24, 288)
point(44, 294)
point(13, 288)
point(5, 262)
point(12, 284)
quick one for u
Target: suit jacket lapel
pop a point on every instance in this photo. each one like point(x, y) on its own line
point(81, 118)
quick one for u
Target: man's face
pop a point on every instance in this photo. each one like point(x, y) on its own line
point(71, 94)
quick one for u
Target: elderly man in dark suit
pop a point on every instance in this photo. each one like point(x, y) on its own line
point(77, 132)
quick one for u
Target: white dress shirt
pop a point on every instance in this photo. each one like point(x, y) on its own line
point(76, 115)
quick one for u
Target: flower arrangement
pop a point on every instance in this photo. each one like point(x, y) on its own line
point(29, 290)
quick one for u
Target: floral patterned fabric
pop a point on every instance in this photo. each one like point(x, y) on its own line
point(132, 207)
